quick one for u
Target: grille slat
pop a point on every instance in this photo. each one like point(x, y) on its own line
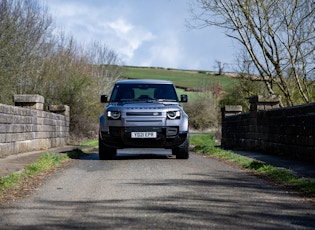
point(144, 121)
point(143, 113)
point(143, 129)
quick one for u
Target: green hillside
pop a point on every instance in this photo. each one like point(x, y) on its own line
point(181, 78)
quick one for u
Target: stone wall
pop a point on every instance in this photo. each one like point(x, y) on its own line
point(26, 127)
point(268, 128)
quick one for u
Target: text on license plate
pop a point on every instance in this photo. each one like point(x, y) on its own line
point(143, 134)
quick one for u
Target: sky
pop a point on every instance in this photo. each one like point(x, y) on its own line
point(148, 33)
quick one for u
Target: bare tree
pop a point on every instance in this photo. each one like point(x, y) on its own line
point(104, 65)
point(34, 60)
point(219, 66)
point(76, 75)
point(23, 33)
point(277, 35)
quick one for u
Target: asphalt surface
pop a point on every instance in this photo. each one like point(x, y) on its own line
point(15, 163)
point(149, 189)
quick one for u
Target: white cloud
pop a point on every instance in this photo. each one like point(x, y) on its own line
point(166, 52)
point(87, 23)
point(142, 32)
point(126, 38)
point(121, 26)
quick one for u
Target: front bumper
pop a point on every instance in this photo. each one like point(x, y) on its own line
point(120, 137)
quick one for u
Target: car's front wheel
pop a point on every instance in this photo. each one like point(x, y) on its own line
point(182, 152)
point(104, 152)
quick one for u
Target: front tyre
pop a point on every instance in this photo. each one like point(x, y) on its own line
point(104, 152)
point(182, 152)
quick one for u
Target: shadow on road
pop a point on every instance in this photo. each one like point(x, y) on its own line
point(94, 156)
point(200, 200)
point(133, 154)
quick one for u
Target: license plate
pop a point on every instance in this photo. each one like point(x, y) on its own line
point(143, 134)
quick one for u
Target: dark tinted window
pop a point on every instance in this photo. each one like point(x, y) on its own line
point(129, 92)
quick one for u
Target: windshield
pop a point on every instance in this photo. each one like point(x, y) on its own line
point(139, 92)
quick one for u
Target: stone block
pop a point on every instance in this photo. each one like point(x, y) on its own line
point(60, 109)
point(264, 102)
point(230, 110)
point(31, 101)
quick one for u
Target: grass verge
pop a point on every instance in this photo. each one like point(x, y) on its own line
point(283, 177)
point(45, 162)
point(89, 146)
point(18, 184)
point(90, 143)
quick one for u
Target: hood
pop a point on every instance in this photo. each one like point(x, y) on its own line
point(143, 105)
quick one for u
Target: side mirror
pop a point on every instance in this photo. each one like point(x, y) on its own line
point(183, 98)
point(103, 98)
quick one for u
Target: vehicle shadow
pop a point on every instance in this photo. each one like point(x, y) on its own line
point(133, 154)
point(94, 156)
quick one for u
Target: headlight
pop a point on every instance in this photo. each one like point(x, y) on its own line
point(172, 115)
point(115, 115)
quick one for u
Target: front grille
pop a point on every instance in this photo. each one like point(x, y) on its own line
point(144, 121)
point(143, 129)
point(150, 114)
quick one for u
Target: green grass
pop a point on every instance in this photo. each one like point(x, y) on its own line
point(181, 78)
point(88, 146)
point(45, 162)
point(90, 143)
point(284, 177)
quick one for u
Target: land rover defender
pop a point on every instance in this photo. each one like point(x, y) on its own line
point(143, 114)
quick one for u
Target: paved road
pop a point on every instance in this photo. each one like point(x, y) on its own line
point(148, 189)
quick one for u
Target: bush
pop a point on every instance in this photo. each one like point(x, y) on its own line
point(202, 111)
point(240, 92)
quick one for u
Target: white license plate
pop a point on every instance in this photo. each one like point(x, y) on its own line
point(143, 134)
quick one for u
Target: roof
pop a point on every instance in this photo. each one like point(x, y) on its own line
point(143, 81)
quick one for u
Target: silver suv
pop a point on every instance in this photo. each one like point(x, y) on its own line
point(143, 114)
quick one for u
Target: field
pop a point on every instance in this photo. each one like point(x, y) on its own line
point(181, 78)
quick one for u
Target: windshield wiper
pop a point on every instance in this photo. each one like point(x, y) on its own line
point(166, 100)
point(145, 100)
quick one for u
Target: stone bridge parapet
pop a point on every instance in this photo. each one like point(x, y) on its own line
point(26, 127)
point(271, 129)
